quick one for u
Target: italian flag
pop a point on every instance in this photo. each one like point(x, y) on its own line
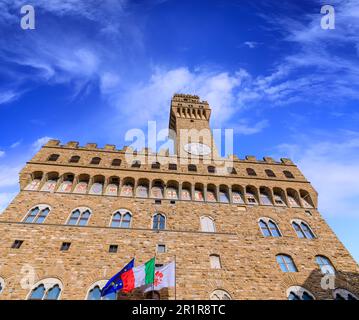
point(139, 276)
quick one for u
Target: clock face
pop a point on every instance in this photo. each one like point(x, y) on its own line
point(198, 149)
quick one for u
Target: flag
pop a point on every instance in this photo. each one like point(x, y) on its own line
point(164, 277)
point(139, 276)
point(116, 283)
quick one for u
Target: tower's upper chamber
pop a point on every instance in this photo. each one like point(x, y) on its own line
point(186, 106)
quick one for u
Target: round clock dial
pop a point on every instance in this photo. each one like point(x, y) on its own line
point(198, 149)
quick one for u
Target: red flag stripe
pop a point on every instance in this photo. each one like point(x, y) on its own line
point(128, 279)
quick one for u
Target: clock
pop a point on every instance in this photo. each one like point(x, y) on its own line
point(198, 149)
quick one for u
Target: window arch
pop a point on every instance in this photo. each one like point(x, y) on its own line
point(265, 196)
point(74, 159)
point(325, 265)
point(46, 289)
point(136, 164)
point(192, 168)
point(116, 162)
point(211, 169)
point(286, 263)
point(35, 181)
point(37, 214)
point(121, 219)
point(215, 261)
point(159, 221)
point(220, 294)
point(299, 293)
point(269, 228)
point(94, 292)
point(156, 165)
point(207, 224)
point(302, 229)
point(53, 157)
point(2, 285)
point(95, 160)
point(142, 188)
point(251, 195)
point(293, 198)
point(288, 174)
point(79, 217)
point(251, 172)
point(270, 173)
point(343, 294)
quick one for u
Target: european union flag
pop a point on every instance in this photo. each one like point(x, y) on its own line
point(116, 283)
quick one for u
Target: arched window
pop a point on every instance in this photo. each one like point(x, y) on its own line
point(265, 197)
point(142, 190)
point(215, 261)
point(79, 217)
point(251, 195)
point(35, 182)
point(95, 160)
point(270, 173)
point(220, 295)
point(211, 169)
point(74, 159)
point(47, 289)
point(288, 174)
point(302, 229)
point(121, 219)
point(2, 285)
point(156, 165)
point(207, 224)
point(94, 292)
point(136, 164)
point(325, 265)
point(286, 263)
point(299, 293)
point(269, 228)
point(127, 187)
point(192, 168)
point(251, 172)
point(159, 222)
point(343, 294)
point(37, 214)
point(53, 157)
point(67, 183)
point(293, 198)
point(116, 162)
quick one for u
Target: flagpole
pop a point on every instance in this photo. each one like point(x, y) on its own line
point(153, 283)
point(175, 278)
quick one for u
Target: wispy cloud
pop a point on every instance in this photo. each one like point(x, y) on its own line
point(332, 166)
point(40, 142)
point(2, 153)
point(251, 44)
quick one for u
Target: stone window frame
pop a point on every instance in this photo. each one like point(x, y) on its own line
point(210, 218)
point(298, 291)
point(122, 212)
point(220, 293)
point(299, 222)
point(330, 264)
point(100, 284)
point(283, 261)
point(288, 174)
point(53, 157)
point(48, 283)
point(82, 211)
point(95, 161)
point(266, 220)
point(41, 208)
point(74, 159)
point(152, 221)
point(217, 261)
point(344, 293)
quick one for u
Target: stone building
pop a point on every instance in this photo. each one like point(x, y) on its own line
point(238, 229)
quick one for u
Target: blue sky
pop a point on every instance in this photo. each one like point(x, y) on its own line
point(91, 70)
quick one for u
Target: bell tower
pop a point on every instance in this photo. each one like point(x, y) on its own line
point(189, 122)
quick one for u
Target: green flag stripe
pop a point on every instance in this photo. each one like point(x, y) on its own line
point(150, 271)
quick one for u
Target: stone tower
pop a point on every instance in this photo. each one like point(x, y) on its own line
point(254, 232)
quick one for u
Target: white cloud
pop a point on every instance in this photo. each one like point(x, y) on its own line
point(9, 175)
point(2, 153)
point(8, 96)
point(333, 169)
point(40, 142)
point(251, 44)
point(244, 128)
